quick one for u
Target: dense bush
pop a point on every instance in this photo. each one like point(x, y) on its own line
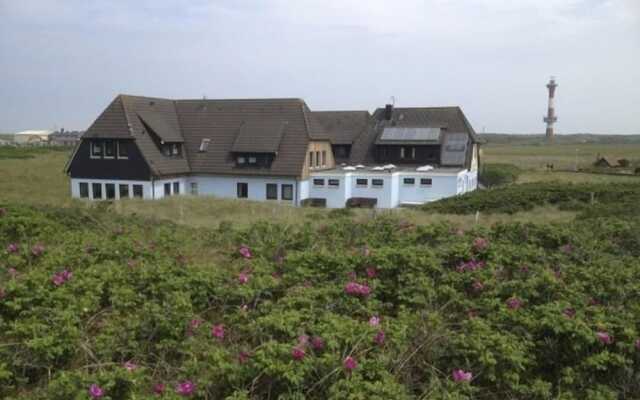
point(498, 174)
point(524, 197)
point(121, 308)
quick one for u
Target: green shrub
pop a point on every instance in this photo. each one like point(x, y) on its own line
point(519, 306)
point(498, 174)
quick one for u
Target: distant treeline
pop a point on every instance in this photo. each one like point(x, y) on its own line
point(533, 139)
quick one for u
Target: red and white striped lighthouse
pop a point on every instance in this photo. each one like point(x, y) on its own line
point(551, 117)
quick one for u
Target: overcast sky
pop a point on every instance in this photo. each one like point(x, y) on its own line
point(62, 62)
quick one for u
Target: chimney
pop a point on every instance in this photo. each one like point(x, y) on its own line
point(388, 112)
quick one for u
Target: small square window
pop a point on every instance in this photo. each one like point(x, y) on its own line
point(272, 191)
point(124, 191)
point(287, 192)
point(409, 181)
point(175, 149)
point(109, 149)
point(84, 190)
point(318, 182)
point(110, 188)
point(253, 160)
point(137, 191)
point(123, 150)
point(334, 182)
point(426, 182)
point(243, 190)
point(377, 182)
point(362, 182)
point(176, 187)
point(96, 149)
point(97, 190)
point(242, 160)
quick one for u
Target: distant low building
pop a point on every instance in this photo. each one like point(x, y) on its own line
point(65, 138)
point(32, 137)
point(606, 162)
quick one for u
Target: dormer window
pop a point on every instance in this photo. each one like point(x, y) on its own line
point(96, 149)
point(254, 160)
point(123, 151)
point(204, 145)
point(109, 149)
point(172, 149)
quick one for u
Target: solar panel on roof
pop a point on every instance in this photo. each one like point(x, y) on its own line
point(405, 133)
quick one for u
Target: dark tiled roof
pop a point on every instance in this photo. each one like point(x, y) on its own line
point(220, 120)
point(111, 124)
point(259, 136)
point(343, 127)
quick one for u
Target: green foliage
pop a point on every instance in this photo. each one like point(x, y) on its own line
point(149, 293)
point(498, 174)
point(21, 153)
point(524, 197)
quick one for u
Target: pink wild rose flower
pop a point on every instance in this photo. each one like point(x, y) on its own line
point(514, 303)
point(96, 391)
point(297, 353)
point(374, 321)
point(317, 343)
point(217, 331)
point(379, 338)
point(357, 289)
point(372, 272)
point(243, 277)
point(245, 252)
point(460, 375)
point(13, 248)
point(185, 388)
point(37, 249)
point(604, 337)
point(130, 366)
point(159, 388)
point(350, 363)
point(480, 243)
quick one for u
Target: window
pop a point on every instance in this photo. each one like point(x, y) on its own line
point(123, 151)
point(204, 145)
point(137, 191)
point(272, 191)
point(253, 160)
point(241, 160)
point(84, 190)
point(243, 190)
point(413, 153)
point(324, 158)
point(176, 187)
point(109, 149)
point(334, 182)
point(318, 182)
point(175, 149)
point(111, 191)
point(194, 188)
point(124, 191)
point(96, 149)
point(287, 192)
point(409, 181)
point(425, 182)
point(317, 158)
point(97, 190)
point(402, 152)
point(311, 159)
point(341, 151)
point(377, 182)
point(167, 189)
point(362, 182)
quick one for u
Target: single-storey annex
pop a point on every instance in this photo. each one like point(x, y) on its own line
point(275, 150)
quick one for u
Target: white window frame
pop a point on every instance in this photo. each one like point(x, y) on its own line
point(426, 184)
point(409, 184)
point(193, 188)
point(242, 160)
point(104, 150)
point(374, 186)
point(120, 156)
point(318, 184)
point(360, 185)
point(402, 152)
point(93, 144)
point(253, 160)
point(331, 186)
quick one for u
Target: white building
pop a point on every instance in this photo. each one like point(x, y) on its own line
point(275, 150)
point(32, 137)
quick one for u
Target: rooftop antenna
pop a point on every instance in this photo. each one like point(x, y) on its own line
point(551, 117)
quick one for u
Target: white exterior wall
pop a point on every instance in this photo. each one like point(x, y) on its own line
point(441, 186)
point(382, 194)
point(226, 187)
point(335, 196)
point(75, 187)
point(158, 187)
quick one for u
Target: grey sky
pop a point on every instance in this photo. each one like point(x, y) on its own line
point(62, 62)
